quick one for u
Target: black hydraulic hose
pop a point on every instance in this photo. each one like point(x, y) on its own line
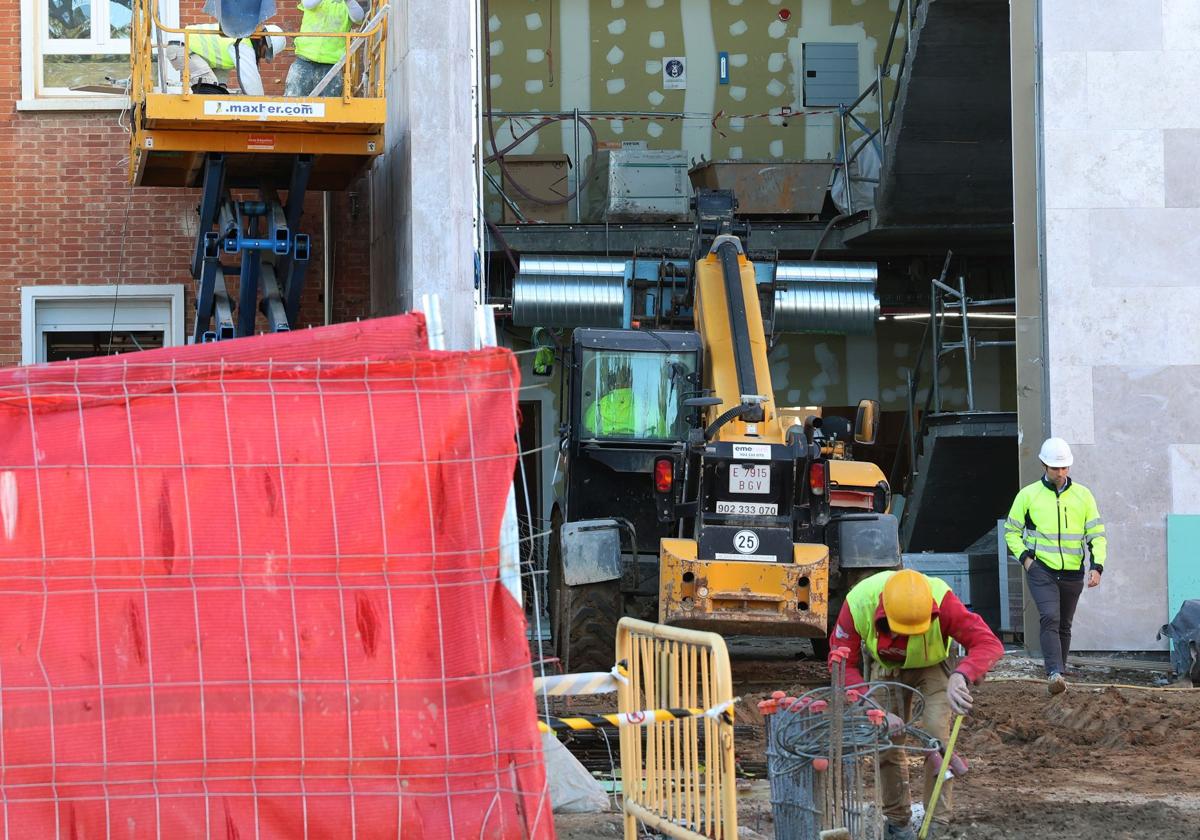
point(736, 411)
point(633, 547)
point(821, 239)
point(739, 327)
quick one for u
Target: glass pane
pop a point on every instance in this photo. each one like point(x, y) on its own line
point(70, 19)
point(120, 18)
point(61, 346)
point(636, 395)
point(69, 71)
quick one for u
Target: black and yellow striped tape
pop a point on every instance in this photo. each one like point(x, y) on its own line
point(642, 718)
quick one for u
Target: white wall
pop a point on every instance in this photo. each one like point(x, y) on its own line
point(422, 188)
point(1122, 225)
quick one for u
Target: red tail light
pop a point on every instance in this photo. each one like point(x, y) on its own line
point(816, 479)
point(664, 475)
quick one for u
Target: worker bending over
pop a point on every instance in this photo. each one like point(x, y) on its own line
point(316, 55)
point(1052, 525)
point(906, 622)
point(210, 51)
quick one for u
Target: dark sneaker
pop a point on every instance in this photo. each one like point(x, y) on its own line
point(1056, 684)
point(899, 832)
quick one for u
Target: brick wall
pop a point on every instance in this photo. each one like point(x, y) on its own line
point(69, 216)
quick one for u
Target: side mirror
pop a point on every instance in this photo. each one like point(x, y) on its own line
point(866, 422)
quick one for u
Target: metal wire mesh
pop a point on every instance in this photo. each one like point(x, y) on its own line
point(823, 751)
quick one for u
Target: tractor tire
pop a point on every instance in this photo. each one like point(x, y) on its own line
point(588, 637)
point(583, 619)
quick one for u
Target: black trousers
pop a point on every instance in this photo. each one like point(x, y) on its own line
point(1056, 600)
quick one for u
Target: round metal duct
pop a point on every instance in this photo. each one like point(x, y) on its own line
point(569, 292)
point(826, 298)
point(829, 271)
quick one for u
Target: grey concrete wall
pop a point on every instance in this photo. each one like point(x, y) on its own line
point(1122, 207)
point(422, 188)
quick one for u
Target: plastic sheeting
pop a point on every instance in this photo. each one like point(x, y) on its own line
point(1184, 633)
point(573, 790)
point(239, 18)
point(250, 590)
point(862, 192)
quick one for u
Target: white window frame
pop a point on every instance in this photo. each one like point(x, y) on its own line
point(102, 297)
point(36, 44)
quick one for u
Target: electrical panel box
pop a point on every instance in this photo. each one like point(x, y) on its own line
point(639, 185)
point(830, 74)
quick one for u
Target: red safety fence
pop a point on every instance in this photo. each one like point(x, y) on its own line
point(250, 590)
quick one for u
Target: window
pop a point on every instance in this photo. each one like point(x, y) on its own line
point(635, 395)
point(76, 48)
point(74, 322)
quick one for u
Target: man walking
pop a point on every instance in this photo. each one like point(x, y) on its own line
point(1051, 524)
point(906, 622)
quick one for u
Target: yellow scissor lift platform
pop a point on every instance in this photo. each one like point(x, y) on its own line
point(177, 132)
point(174, 131)
point(257, 144)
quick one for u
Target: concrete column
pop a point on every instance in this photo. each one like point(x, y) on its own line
point(422, 188)
point(1032, 390)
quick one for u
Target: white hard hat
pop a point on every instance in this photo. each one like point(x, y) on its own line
point(275, 43)
point(1056, 453)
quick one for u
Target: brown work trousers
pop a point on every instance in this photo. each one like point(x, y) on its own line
point(893, 767)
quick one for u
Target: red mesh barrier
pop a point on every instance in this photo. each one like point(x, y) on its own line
point(250, 590)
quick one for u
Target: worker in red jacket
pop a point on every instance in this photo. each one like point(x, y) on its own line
point(906, 622)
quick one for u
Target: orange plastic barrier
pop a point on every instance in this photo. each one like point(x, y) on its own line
point(249, 590)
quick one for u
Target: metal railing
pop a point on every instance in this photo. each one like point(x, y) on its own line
point(361, 67)
point(906, 11)
point(681, 781)
point(944, 300)
point(579, 120)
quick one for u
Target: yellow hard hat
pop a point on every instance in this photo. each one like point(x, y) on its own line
point(908, 602)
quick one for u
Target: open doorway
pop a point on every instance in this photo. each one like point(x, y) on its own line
point(527, 479)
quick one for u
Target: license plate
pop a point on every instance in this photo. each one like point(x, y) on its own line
point(748, 508)
point(756, 479)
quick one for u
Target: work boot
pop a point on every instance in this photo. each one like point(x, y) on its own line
point(899, 831)
point(1056, 684)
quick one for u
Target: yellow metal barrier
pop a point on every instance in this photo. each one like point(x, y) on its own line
point(668, 783)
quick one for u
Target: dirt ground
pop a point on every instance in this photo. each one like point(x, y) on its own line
point(1099, 761)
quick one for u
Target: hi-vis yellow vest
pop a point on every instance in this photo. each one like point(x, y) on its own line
point(922, 651)
point(212, 48)
point(1056, 527)
point(329, 16)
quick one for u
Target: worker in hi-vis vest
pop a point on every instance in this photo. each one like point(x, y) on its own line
point(209, 51)
point(1052, 525)
point(905, 622)
point(316, 55)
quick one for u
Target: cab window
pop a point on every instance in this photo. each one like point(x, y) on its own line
point(636, 395)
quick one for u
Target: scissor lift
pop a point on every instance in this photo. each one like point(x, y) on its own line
point(256, 146)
